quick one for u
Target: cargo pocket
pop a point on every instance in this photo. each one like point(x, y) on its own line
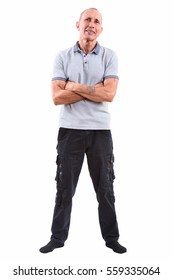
point(59, 170)
point(110, 168)
point(59, 181)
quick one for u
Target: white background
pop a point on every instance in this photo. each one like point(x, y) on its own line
point(140, 32)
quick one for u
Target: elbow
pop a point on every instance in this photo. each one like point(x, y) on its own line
point(110, 97)
point(56, 99)
point(55, 103)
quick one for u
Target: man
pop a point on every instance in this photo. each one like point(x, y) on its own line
point(84, 81)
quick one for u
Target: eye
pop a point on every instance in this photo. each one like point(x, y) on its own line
point(97, 21)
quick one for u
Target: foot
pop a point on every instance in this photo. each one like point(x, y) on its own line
point(51, 246)
point(116, 247)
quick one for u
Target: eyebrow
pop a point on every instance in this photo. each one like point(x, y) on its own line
point(94, 20)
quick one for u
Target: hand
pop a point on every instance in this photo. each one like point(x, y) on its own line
point(70, 86)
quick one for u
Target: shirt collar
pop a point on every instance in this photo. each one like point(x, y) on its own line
point(95, 50)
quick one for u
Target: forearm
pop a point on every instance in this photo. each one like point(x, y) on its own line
point(102, 92)
point(61, 95)
point(66, 97)
point(93, 93)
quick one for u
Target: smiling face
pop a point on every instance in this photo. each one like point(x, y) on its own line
point(90, 25)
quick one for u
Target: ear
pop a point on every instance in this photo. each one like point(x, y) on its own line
point(77, 25)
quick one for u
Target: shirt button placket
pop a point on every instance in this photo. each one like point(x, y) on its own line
point(85, 59)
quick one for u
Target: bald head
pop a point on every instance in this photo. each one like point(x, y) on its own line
point(89, 10)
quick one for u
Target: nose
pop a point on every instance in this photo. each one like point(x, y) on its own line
point(91, 24)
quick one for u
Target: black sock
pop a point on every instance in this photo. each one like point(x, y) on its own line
point(51, 246)
point(116, 247)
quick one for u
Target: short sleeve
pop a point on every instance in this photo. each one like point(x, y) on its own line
point(58, 68)
point(111, 69)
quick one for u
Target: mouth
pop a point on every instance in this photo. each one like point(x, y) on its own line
point(90, 32)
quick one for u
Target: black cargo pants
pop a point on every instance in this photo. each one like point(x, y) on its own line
point(71, 148)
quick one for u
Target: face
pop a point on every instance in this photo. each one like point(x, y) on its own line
point(90, 25)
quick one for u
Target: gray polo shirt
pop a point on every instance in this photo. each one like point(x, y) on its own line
point(73, 65)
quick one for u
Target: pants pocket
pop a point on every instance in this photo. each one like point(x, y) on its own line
point(59, 170)
point(110, 168)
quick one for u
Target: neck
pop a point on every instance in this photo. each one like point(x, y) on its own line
point(87, 46)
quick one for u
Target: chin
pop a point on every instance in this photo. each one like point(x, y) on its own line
point(90, 38)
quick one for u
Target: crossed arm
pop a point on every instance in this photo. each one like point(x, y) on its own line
point(71, 92)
